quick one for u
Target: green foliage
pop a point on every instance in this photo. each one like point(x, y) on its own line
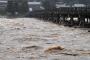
point(2, 12)
point(23, 6)
point(12, 7)
point(48, 4)
point(19, 6)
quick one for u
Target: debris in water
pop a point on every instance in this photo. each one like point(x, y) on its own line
point(30, 48)
point(54, 48)
point(88, 30)
point(71, 54)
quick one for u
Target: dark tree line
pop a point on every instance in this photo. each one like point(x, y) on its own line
point(50, 4)
point(69, 1)
point(17, 7)
point(76, 1)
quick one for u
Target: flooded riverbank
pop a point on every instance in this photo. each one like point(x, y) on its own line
point(28, 38)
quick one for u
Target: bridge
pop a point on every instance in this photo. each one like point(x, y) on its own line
point(81, 13)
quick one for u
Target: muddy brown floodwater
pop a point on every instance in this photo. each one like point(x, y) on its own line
point(28, 38)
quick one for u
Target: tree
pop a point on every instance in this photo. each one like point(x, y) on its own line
point(23, 6)
point(17, 6)
point(49, 4)
point(12, 7)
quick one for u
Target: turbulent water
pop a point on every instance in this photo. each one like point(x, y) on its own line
point(28, 38)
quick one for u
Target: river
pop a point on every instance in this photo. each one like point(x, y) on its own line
point(28, 38)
